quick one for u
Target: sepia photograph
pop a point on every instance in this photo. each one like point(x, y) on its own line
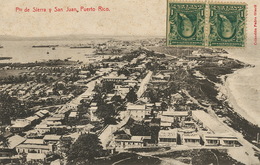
point(129, 82)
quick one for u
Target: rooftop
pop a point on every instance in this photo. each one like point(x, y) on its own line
point(20, 124)
point(33, 146)
point(135, 107)
point(131, 81)
point(73, 114)
point(59, 115)
point(53, 123)
point(210, 122)
point(172, 133)
point(51, 137)
point(44, 112)
point(34, 141)
point(166, 124)
point(135, 138)
point(168, 119)
point(93, 108)
point(158, 104)
point(190, 136)
point(53, 119)
point(32, 118)
point(115, 77)
point(175, 113)
point(213, 136)
point(14, 141)
point(93, 104)
point(41, 126)
point(39, 114)
point(35, 156)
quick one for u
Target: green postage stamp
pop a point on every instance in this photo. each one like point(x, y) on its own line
point(227, 25)
point(201, 24)
point(186, 22)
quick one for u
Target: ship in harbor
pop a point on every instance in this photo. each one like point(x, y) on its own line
point(44, 46)
point(5, 58)
point(81, 46)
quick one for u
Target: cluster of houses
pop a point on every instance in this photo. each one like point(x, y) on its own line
point(159, 80)
point(34, 149)
point(16, 145)
point(25, 90)
point(69, 67)
point(119, 47)
point(32, 89)
point(45, 138)
point(142, 42)
point(195, 129)
point(20, 125)
point(176, 127)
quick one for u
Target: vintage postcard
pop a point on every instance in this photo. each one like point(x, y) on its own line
point(129, 82)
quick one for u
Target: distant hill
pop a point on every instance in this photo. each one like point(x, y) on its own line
point(74, 37)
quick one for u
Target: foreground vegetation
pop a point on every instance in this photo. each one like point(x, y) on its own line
point(201, 156)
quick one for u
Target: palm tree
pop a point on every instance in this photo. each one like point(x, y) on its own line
point(4, 141)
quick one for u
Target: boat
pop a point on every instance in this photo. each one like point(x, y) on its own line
point(5, 58)
point(79, 47)
point(44, 46)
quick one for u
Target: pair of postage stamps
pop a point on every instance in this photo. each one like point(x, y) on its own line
point(206, 24)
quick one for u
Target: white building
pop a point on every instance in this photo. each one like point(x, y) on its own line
point(133, 142)
point(220, 140)
point(191, 139)
point(114, 78)
point(92, 111)
point(138, 112)
point(168, 137)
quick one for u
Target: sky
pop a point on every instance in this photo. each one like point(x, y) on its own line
point(126, 17)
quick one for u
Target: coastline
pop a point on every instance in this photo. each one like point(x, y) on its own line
point(231, 99)
point(245, 126)
point(242, 86)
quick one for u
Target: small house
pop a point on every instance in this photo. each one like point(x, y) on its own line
point(168, 137)
point(191, 139)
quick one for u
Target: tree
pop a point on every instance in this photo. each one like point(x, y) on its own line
point(5, 141)
point(153, 110)
point(153, 95)
point(164, 106)
point(91, 69)
point(82, 108)
point(117, 100)
point(106, 112)
point(140, 130)
point(85, 149)
point(107, 87)
point(11, 108)
point(65, 144)
point(123, 71)
point(131, 96)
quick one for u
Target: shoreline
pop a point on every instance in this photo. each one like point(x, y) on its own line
point(230, 98)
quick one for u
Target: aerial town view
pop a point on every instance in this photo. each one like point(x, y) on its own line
point(129, 101)
point(129, 82)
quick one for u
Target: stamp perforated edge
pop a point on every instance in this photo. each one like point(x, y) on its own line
point(207, 2)
point(246, 20)
point(167, 22)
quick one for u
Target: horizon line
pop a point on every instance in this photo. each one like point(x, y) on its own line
point(81, 35)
